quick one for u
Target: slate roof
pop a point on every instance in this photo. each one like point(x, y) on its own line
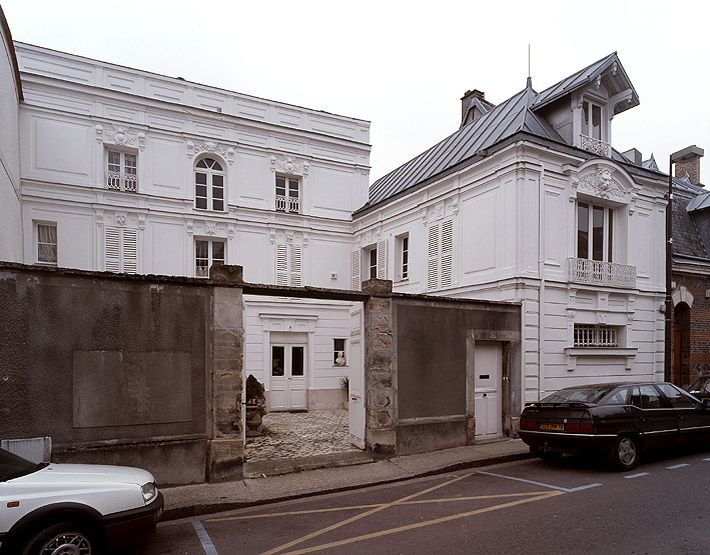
point(517, 114)
point(687, 198)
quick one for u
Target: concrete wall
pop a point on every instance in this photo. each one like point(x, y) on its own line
point(418, 374)
point(114, 369)
point(10, 96)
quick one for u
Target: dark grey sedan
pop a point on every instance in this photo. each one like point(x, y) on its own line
point(615, 420)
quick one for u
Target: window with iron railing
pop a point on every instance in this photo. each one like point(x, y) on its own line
point(288, 198)
point(121, 171)
point(595, 336)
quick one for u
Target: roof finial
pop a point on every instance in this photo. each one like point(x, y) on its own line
point(529, 83)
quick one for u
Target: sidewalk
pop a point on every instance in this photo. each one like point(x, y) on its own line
point(185, 501)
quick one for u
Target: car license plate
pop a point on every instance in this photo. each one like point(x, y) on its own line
point(551, 426)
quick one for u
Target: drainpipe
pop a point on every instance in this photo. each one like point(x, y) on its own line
point(541, 276)
point(669, 267)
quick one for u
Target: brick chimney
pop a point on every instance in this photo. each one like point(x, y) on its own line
point(688, 160)
point(474, 104)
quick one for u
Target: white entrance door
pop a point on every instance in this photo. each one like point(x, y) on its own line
point(288, 377)
point(487, 390)
point(356, 395)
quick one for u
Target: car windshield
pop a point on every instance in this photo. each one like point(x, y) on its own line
point(590, 394)
point(12, 466)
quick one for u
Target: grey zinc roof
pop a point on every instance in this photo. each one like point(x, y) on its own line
point(504, 120)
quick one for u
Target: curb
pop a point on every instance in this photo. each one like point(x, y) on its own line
point(211, 508)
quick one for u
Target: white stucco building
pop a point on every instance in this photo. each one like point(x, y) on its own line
point(529, 202)
point(129, 171)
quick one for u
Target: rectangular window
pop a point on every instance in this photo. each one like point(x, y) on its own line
point(595, 336)
point(47, 243)
point(339, 358)
point(592, 120)
point(372, 263)
point(599, 242)
point(208, 253)
point(287, 194)
point(121, 171)
point(403, 256)
point(121, 250)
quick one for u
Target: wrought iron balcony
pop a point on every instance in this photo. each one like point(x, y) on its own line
point(596, 272)
point(596, 146)
point(119, 181)
point(287, 204)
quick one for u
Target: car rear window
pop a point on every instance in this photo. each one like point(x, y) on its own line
point(578, 395)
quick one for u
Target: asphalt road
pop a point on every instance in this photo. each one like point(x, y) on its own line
point(572, 506)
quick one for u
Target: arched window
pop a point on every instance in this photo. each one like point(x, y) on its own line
point(209, 185)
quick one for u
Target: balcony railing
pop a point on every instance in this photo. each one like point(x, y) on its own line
point(596, 272)
point(596, 146)
point(287, 204)
point(122, 181)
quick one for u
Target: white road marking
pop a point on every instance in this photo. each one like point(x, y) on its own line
point(559, 488)
point(673, 467)
point(205, 540)
point(638, 475)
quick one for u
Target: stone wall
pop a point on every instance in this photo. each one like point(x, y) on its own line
point(693, 289)
point(123, 369)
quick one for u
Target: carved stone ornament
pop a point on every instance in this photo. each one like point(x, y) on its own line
point(289, 166)
point(208, 147)
point(603, 182)
point(210, 229)
point(120, 136)
point(121, 220)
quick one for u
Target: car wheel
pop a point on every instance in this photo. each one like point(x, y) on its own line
point(63, 538)
point(626, 452)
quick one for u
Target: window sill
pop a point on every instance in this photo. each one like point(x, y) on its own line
point(573, 352)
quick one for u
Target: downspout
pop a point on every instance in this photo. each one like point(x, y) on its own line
point(541, 276)
point(669, 266)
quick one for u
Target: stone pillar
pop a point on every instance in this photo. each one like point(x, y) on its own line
point(226, 443)
point(380, 370)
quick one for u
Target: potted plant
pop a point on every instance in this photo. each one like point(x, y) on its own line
point(255, 406)
point(345, 385)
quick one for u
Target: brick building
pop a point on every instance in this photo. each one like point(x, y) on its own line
point(691, 269)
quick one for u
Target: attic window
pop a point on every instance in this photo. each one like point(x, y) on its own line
point(592, 120)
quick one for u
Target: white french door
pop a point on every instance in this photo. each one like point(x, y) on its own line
point(288, 377)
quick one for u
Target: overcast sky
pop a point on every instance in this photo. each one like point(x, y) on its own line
point(402, 65)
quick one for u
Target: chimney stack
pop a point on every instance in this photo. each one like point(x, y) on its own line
point(688, 160)
point(634, 156)
point(474, 104)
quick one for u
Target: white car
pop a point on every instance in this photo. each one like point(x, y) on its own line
point(73, 509)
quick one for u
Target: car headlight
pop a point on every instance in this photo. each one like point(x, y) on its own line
point(149, 491)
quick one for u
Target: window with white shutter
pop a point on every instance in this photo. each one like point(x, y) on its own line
point(382, 260)
point(440, 255)
point(289, 265)
point(355, 280)
point(121, 250)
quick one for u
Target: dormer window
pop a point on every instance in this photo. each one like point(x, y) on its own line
point(593, 136)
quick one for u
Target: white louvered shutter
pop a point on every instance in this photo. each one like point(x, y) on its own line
point(112, 249)
point(130, 251)
point(447, 253)
point(382, 260)
point(296, 265)
point(281, 265)
point(432, 274)
point(355, 281)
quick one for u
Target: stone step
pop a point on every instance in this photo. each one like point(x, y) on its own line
point(274, 467)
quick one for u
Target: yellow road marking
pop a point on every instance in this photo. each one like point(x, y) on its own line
point(356, 507)
point(363, 515)
point(421, 524)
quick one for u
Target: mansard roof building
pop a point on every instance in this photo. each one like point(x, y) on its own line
point(528, 202)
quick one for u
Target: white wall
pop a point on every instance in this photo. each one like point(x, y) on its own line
point(10, 212)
